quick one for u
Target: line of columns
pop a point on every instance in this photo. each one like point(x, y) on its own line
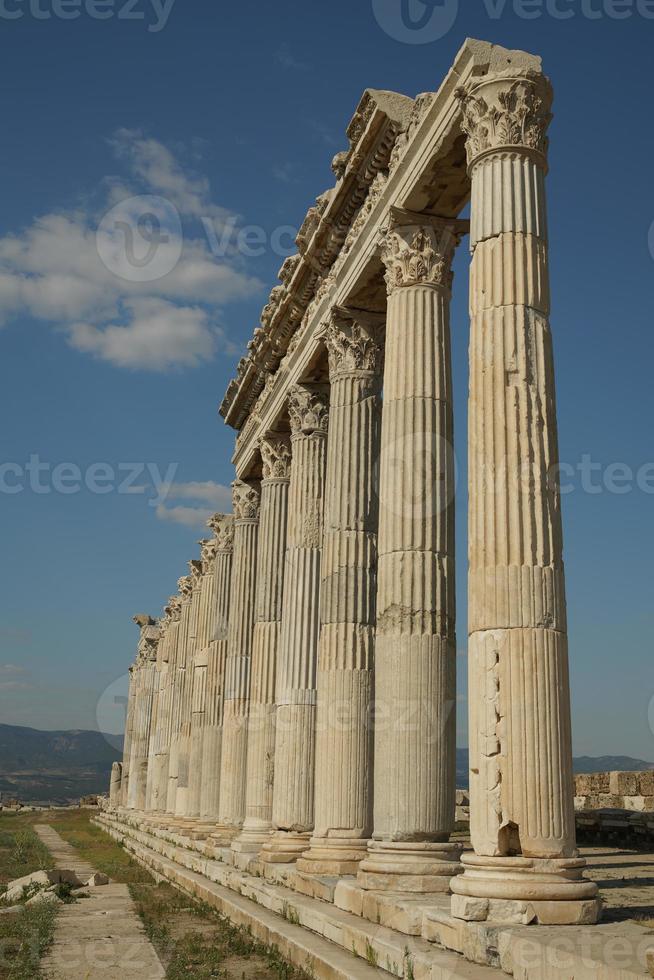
point(300, 703)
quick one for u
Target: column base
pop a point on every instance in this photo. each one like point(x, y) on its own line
point(543, 891)
point(251, 840)
point(284, 847)
point(333, 856)
point(409, 866)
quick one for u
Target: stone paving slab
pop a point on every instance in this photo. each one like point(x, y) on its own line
point(99, 937)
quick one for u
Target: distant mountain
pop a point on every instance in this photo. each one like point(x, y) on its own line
point(585, 763)
point(56, 767)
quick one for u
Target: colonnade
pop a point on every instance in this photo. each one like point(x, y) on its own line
point(298, 701)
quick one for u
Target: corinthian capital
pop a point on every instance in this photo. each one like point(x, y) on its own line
point(185, 586)
point(246, 500)
point(276, 455)
point(352, 343)
point(222, 526)
point(207, 553)
point(195, 568)
point(502, 113)
point(308, 409)
point(420, 254)
point(174, 608)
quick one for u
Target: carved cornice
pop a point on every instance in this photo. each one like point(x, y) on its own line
point(246, 500)
point(378, 120)
point(308, 409)
point(222, 526)
point(419, 255)
point(275, 450)
point(506, 114)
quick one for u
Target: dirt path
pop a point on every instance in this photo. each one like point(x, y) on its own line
point(100, 937)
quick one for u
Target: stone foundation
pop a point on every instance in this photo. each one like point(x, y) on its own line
point(333, 928)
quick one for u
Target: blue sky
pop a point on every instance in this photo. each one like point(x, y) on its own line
point(232, 114)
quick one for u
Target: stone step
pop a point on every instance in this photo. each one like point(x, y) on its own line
point(335, 939)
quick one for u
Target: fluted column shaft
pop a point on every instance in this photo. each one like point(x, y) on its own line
point(160, 736)
point(127, 741)
point(293, 790)
point(186, 693)
point(246, 500)
point(415, 729)
point(223, 528)
point(200, 667)
point(276, 456)
point(520, 730)
point(344, 776)
point(177, 693)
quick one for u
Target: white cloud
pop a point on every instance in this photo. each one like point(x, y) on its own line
point(65, 270)
point(157, 336)
point(216, 495)
point(11, 669)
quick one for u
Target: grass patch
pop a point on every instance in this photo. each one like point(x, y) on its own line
point(24, 937)
point(21, 853)
point(191, 938)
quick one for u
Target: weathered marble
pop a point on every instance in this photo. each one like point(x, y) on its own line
point(293, 789)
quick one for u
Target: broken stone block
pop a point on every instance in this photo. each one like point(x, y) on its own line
point(97, 879)
point(645, 784)
point(469, 909)
point(623, 783)
point(44, 898)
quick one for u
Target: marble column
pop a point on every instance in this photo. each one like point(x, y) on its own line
point(200, 669)
point(127, 741)
point(114, 785)
point(293, 789)
point(185, 586)
point(246, 497)
point(157, 698)
point(172, 613)
point(344, 739)
point(143, 678)
point(415, 668)
point(525, 864)
point(223, 527)
point(276, 456)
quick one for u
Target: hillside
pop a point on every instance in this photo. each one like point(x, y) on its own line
point(56, 767)
point(59, 767)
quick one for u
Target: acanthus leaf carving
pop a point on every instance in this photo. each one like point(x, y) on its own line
point(222, 526)
point(308, 408)
point(276, 456)
point(419, 255)
point(207, 553)
point(500, 113)
point(352, 345)
point(246, 500)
